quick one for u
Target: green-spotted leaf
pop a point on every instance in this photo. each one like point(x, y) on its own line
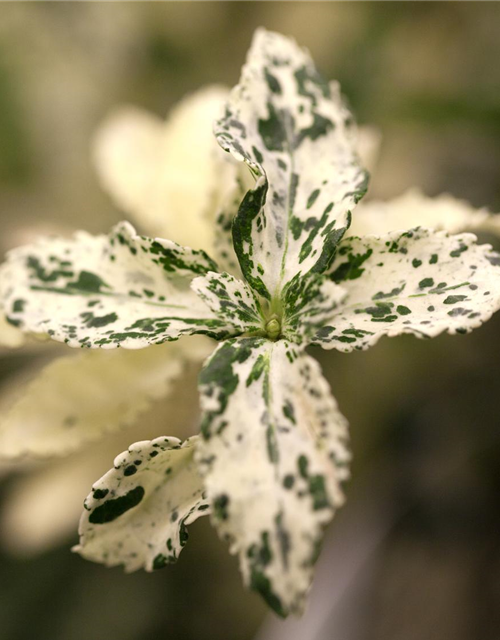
point(308, 304)
point(107, 291)
point(231, 300)
point(137, 514)
point(413, 209)
point(52, 492)
point(227, 210)
point(293, 131)
point(273, 456)
point(421, 282)
point(81, 398)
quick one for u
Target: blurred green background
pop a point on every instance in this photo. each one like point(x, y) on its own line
point(415, 552)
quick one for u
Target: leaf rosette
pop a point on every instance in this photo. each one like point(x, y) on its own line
point(273, 449)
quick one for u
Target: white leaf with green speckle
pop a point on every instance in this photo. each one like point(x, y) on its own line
point(108, 291)
point(231, 300)
point(273, 455)
point(293, 131)
point(421, 282)
point(77, 399)
point(413, 208)
point(51, 493)
point(227, 210)
point(137, 514)
point(309, 304)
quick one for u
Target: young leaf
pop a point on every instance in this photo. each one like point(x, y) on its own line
point(272, 454)
point(293, 131)
point(53, 415)
point(308, 304)
point(137, 514)
point(231, 300)
point(227, 210)
point(108, 291)
point(421, 282)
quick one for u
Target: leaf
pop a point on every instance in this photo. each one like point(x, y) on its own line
point(107, 291)
point(293, 131)
point(171, 175)
point(231, 300)
point(272, 454)
point(421, 281)
point(127, 154)
point(137, 514)
point(228, 208)
point(413, 209)
point(10, 336)
point(79, 399)
point(51, 492)
point(308, 304)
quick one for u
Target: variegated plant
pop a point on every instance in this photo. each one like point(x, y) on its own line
point(272, 454)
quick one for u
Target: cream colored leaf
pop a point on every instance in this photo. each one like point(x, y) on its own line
point(41, 507)
point(171, 176)
point(369, 140)
point(413, 209)
point(78, 399)
point(10, 336)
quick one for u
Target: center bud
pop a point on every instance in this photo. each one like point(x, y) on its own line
point(273, 328)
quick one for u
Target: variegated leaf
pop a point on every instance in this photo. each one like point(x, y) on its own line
point(51, 493)
point(309, 303)
point(293, 131)
point(80, 398)
point(273, 455)
point(107, 291)
point(231, 300)
point(421, 282)
point(413, 209)
point(227, 210)
point(137, 514)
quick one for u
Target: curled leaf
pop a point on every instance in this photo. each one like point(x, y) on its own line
point(137, 514)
